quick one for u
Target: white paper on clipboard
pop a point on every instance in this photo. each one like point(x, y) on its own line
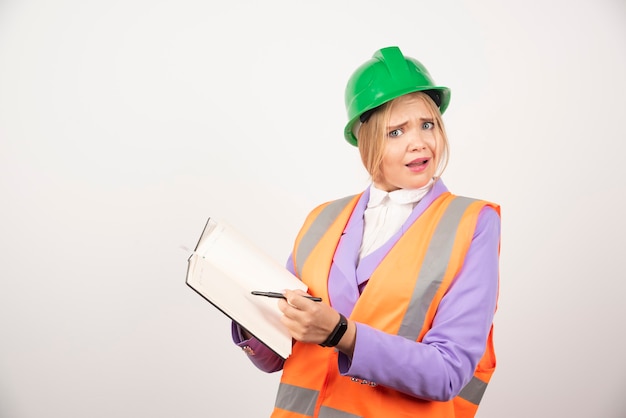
point(225, 267)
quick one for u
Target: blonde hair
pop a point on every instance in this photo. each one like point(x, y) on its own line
point(373, 133)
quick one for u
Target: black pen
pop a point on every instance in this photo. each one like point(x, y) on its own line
point(281, 296)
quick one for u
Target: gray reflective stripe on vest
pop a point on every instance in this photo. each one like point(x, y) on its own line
point(433, 268)
point(317, 229)
point(326, 412)
point(302, 401)
point(296, 399)
point(473, 392)
point(430, 278)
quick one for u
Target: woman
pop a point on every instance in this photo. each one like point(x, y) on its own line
point(408, 271)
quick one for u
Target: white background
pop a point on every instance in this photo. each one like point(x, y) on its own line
point(124, 124)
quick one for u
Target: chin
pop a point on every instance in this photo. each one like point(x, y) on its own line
point(417, 184)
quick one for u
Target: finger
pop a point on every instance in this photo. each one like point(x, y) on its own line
point(283, 305)
point(296, 299)
point(288, 310)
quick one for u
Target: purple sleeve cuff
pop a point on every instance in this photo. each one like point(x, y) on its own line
point(261, 356)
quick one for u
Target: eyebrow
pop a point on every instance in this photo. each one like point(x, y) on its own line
point(400, 125)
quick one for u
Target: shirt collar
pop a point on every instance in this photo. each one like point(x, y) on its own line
point(400, 196)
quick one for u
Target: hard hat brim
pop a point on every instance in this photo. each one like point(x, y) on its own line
point(353, 125)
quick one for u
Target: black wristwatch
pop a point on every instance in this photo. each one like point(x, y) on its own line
point(335, 336)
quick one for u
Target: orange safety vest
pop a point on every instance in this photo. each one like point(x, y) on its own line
point(423, 263)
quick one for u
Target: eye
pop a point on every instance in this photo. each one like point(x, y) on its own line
point(427, 126)
point(395, 133)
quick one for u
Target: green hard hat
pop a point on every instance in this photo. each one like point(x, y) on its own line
point(387, 75)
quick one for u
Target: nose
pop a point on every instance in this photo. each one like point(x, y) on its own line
point(416, 143)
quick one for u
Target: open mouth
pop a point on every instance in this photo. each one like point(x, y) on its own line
point(418, 162)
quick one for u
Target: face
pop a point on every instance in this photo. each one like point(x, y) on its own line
point(410, 154)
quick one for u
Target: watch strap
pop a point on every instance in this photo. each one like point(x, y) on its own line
point(336, 334)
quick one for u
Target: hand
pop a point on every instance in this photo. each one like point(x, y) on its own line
point(312, 322)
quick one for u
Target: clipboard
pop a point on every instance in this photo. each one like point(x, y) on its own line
point(225, 267)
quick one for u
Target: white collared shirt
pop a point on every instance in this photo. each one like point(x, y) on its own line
point(385, 214)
